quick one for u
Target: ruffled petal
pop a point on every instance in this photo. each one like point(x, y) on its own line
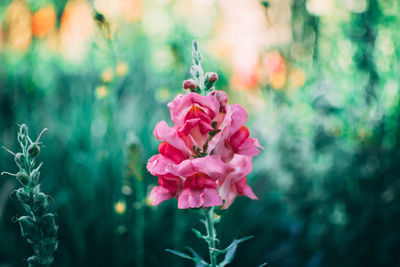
point(249, 147)
point(182, 104)
point(169, 134)
point(159, 194)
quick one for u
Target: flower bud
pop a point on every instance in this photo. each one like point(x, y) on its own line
point(22, 195)
point(50, 247)
point(48, 225)
point(20, 160)
point(211, 78)
point(33, 150)
point(23, 130)
point(40, 203)
point(195, 72)
point(35, 174)
point(34, 261)
point(189, 84)
point(221, 96)
point(28, 228)
point(23, 178)
point(195, 45)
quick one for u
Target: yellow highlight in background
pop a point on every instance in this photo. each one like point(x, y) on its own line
point(120, 207)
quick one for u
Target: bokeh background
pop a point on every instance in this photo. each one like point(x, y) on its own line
point(319, 78)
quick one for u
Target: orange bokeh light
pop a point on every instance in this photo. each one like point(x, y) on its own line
point(43, 21)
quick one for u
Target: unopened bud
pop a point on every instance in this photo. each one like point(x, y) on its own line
point(28, 227)
point(195, 45)
point(211, 78)
point(48, 225)
point(221, 96)
point(33, 150)
point(20, 160)
point(35, 174)
point(189, 85)
point(40, 203)
point(23, 178)
point(23, 130)
point(22, 195)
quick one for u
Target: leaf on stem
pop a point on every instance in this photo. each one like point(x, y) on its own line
point(197, 233)
point(201, 262)
point(180, 254)
point(231, 249)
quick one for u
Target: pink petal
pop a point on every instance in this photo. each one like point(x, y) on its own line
point(249, 147)
point(190, 199)
point(211, 198)
point(184, 169)
point(158, 165)
point(171, 152)
point(242, 166)
point(159, 194)
point(244, 189)
point(228, 192)
point(212, 165)
point(182, 103)
point(221, 96)
point(236, 117)
point(169, 134)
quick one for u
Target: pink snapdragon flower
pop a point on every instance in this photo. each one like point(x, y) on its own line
point(192, 114)
point(192, 181)
point(205, 156)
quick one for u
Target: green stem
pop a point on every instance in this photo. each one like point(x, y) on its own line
point(211, 235)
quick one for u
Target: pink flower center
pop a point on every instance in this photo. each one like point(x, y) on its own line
point(171, 152)
point(169, 183)
point(199, 181)
point(239, 138)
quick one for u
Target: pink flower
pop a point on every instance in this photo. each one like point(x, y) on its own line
point(196, 176)
point(193, 114)
point(169, 134)
point(169, 155)
point(234, 136)
point(169, 187)
point(199, 190)
point(235, 183)
point(196, 164)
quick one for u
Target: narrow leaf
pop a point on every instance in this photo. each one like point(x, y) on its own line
point(201, 262)
point(197, 233)
point(231, 249)
point(235, 242)
point(180, 254)
point(229, 256)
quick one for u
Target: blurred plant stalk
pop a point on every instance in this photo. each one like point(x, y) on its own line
point(135, 172)
point(38, 227)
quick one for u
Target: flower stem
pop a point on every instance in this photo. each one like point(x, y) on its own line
point(211, 234)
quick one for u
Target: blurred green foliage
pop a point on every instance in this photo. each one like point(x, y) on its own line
point(327, 180)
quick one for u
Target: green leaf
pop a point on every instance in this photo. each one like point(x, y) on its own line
point(201, 262)
point(236, 242)
point(180, 254)
point(197, 233)
point(229, 256)
point(231, 249)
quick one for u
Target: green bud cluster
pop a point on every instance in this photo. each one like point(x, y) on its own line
point(205, 82)
point(38, 226)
